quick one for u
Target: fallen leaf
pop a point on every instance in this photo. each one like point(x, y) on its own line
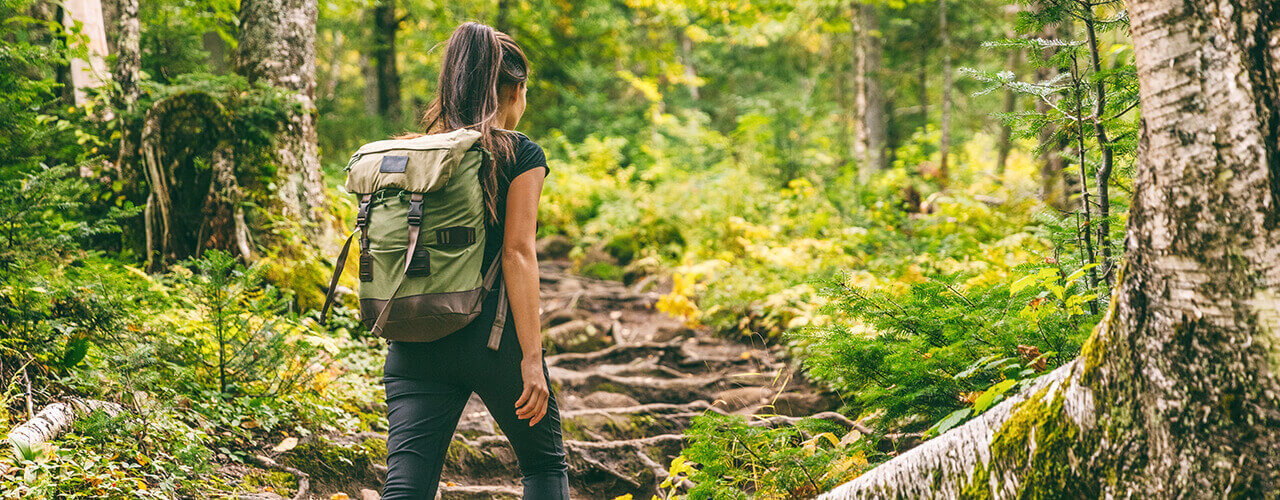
point(249, 423)
point(745, 355)
point(339, 496)
point(287, 444)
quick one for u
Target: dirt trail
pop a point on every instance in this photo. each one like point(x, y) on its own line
point(632, 381)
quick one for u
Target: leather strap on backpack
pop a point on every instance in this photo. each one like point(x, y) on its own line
point(333, 282)
point(362, 225)
point(415, 226)
point(492, 277)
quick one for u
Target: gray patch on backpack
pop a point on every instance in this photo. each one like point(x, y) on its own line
point(393, 164)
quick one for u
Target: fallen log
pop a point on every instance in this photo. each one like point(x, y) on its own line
point(56, 418)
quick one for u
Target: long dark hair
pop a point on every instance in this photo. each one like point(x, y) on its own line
point(478, 61)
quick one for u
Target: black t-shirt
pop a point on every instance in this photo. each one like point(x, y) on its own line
point(528, 156)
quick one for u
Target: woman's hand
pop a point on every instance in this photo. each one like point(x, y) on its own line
point(533, 401)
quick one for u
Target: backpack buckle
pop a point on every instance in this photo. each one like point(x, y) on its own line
point(362, 214)
point(415, 209)
point(366, 266)
point(421, 264)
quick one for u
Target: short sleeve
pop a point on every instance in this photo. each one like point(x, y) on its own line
point(529, 155)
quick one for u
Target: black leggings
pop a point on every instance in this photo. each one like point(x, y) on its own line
point(428, 384)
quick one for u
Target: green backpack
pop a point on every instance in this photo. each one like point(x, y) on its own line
point(422, 237)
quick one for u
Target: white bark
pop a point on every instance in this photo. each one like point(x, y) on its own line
point(93, 72)
point(958, 453)
point(56, 418)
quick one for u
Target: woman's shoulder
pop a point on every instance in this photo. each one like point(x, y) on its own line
point(522, 141)
point(528, 154)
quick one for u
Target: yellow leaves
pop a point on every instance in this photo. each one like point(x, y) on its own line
point(647, 87)
point(696, 33)
point(680, 468)
point(623, 497)
point(845, 468)
point(810, 445)
point(339, 496)
point(680, 307)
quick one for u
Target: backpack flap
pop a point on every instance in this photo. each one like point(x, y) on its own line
point(419, 165)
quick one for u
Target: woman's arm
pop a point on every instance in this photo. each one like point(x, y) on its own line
point(520, 270)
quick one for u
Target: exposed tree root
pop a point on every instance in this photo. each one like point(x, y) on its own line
point(304, 480)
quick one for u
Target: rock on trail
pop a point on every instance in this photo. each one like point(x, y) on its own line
point(629, 380)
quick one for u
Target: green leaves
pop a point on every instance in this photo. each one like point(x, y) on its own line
point(992, 395)
point(950, 421)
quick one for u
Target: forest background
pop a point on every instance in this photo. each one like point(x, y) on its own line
point(921, 200)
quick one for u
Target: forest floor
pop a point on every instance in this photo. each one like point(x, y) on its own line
point(629, 380)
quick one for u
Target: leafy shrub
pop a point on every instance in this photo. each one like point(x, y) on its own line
point(240, 337)
point(730, 458)
point(915, 353)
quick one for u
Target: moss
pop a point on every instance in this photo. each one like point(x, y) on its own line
point(603, 270)
point(281, 483)
point(328, 462)
point(979, 485)
point(1091, 354)
point(572, 430)
point(1038, 442)
point(609, 387)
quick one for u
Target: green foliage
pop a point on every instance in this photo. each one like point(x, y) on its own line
point(153, 455)
point(240, 332)
point(942, 345)
point(730, 458)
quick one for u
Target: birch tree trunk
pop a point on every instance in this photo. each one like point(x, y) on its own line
point(277, 46)
point(90, 73)
point(1176, 393)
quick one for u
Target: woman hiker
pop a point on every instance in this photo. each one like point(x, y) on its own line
point(482, 87)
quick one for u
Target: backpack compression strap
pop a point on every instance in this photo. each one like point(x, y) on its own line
point(362, 220)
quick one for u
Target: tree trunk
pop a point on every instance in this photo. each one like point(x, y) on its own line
point(1175, 394)
point(57, 417)
point(277, 46)
point(223, 226)
point(871, 122)
point(690, 67)
point(1004, 143)
point(1102, 177)
point(944, 145)
point(111, 23)
point(385, 25)
point(370, 72)
point(126, 74)
point(858, 79)
point(1053, 186)
point(89, 73)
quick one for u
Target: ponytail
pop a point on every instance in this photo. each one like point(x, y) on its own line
point(478, 61)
